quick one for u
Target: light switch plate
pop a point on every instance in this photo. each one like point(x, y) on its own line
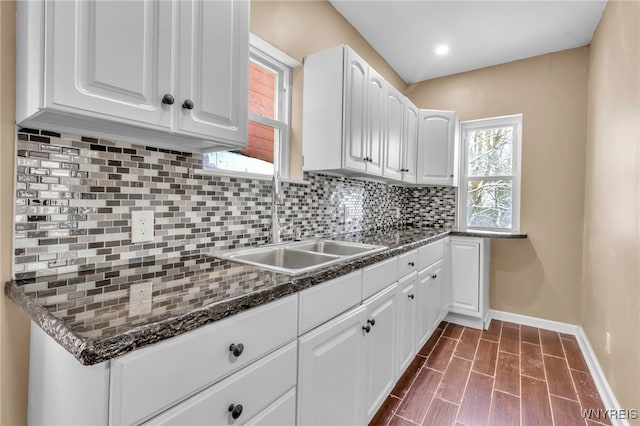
point(142, 226)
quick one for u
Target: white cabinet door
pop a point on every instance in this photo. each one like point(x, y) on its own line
point(213, 63)
point(427, 292)
point(331, 372)
point(437, 275)
point(436, 145)
point(380, 342)
point(111, 60)
point(465, 275)
point(410, 143)
point(355, 112)
point(393, 166)
point(375, 122)
point(407, 309)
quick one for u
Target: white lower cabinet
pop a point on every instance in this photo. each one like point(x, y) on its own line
point(407, 310)
point(469, 259)
point(331, 371)
point(427, 297)
point(258, 394)
point(380, 347)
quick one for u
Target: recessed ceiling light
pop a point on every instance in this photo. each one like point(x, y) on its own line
point(443, 49)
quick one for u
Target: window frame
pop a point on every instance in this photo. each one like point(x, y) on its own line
point(270, 57)
point(514, 121)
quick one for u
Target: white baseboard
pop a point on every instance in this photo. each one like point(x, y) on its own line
point(608, 398)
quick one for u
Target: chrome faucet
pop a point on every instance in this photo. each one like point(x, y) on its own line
point(276, 199)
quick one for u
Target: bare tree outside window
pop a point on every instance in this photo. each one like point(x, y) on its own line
point(489, 173)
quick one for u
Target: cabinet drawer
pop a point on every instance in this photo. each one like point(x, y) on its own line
point(152, 379)
point(430, 253)
point(265, 390)
point(321, 303)
point(407, 263)
point(378, 276)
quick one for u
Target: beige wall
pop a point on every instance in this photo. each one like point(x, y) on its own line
point(539, 276)
point(14, 327)
point(611, 290)
point(300, 28)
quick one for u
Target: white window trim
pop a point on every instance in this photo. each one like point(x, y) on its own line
point(486, 123)
point(268, 56)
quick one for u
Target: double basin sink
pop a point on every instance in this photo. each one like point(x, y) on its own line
point(300, 257)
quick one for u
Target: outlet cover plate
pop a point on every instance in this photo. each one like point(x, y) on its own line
point(142, 226)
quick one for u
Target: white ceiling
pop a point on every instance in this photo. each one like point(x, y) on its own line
point(479, 33)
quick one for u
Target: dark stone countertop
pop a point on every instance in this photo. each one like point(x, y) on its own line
point(459, 232)
point(90, 315)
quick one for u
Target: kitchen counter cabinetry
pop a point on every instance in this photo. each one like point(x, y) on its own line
point(144, 82)
point(330, 353)
point(470, 281)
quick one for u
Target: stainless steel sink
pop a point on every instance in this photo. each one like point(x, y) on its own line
point(299, 257)
point(338, 248)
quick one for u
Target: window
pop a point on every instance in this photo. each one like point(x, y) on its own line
point(489, 192)
point(267, 150)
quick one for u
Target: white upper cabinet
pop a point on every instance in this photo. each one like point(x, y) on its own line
point(125, 70)
point(393, 162)
point(213, 69)
point(343, 113)
point(87, 59)
point(436, 133)
point(376, 122)
point(355, 112)
point(410, 143)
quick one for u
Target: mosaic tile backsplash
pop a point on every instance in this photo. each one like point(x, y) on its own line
point(74, 197)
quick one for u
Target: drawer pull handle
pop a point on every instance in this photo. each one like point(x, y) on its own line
point(236, 350)
point(372, 322)
point(434, 276)
point(235, 410)
point(411, 296)
point(412, 263)
point(366, 328)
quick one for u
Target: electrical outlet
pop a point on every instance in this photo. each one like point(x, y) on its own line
point(347, 214)
point(140, 298)
point(397, 212)
point(607, 343)
point(141, 226)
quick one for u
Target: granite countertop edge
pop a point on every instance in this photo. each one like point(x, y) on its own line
point(91, 351)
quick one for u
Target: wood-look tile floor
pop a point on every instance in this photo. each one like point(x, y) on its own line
point(507, 375)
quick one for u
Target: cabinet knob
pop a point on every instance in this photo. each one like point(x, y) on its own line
point(236, 350)
point(450, 175)
point(412, 263)
point(366, 328)
point(187, 104)
point(167, 99)
point(411, 296)
point(372, 322)
point(365, 159)
point(434, 276)
point(235, 410)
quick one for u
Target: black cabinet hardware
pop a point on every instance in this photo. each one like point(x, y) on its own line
point(236, 350)
point(167, 99)
point(366, 328)
point(434, 276)
point(235, 410)
point(412, 263)
point(372, 322)
point(188, 104)
point(411, 296)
